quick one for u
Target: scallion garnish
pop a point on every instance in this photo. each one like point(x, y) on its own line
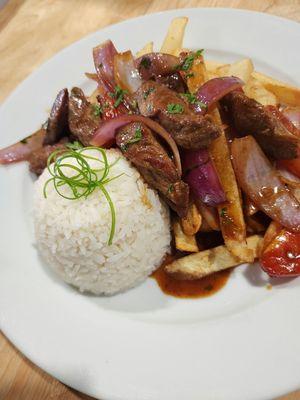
point(80, 177)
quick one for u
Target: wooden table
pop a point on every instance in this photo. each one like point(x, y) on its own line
point(29, 36)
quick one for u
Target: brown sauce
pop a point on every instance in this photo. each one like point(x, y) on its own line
point(189, 289)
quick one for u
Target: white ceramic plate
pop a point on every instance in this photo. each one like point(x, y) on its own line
point(242, 343)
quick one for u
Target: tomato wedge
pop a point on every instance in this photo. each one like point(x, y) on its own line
point(281, 258)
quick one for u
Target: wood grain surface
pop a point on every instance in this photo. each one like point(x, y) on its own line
point(31, 32)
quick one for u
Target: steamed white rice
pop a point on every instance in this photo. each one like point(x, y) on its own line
point(72, 235)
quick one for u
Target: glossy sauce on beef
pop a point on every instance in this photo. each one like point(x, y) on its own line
point(189, 289)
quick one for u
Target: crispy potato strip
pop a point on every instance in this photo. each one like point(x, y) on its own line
point(241, 69)
point(173, 40)
point(255, 90)
point(184, 242)
point(285, 93)
point(148, 48)
point(195, 266)
point(192, 222)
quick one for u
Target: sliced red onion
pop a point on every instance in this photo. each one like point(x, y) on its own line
point(202, 177)
point(261, 183)
point(104, 61)
point(293, 115)
point(21, 151)
point(156, 64)
point(214, 89)
point(125, 72)
point(105, 135)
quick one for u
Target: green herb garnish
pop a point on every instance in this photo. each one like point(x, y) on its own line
point(97, 110)
point(118, 95)
point(192, 99)
point(100, 65)
point(145, 62)
point(147, 92)
point(188, 61)
point(173, 108)
point(223, 212)
point(190, 75)
point(170, 188)
point(137, 137)
point(83, 179)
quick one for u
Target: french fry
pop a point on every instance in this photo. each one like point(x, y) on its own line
point(195, 266)
point(255, 90)
point(174, 38)
point(285, 93)
point(241, 69)
point(148, 48)
point(184, 242)
point(273, 230)
point(192, 222)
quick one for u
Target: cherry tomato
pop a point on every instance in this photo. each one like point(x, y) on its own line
point(291, 165)
point(281, 258)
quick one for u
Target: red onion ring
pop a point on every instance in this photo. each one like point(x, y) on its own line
point(106, 133)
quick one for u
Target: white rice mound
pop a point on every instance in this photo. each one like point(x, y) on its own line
point(72, 235)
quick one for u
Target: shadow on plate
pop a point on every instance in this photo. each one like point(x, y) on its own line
point(145, 297)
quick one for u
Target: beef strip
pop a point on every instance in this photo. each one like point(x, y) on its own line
point(57, 125)
point(189, 130)
point(82, 119)
point(140, 146)
point(38, 158)
point(251, 118)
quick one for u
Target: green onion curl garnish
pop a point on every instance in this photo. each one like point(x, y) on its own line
point(84, 179)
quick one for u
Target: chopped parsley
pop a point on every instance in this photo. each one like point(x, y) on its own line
point(74, 146)
point(97, 110)
point(188, 61)
point(147, 92)
point(145, 62)
point(170, 189)
point(137, 137)
point(118, 95)
point(100, 65)
point(223, 212)
point(189, 75)
point(192, 99)
point(173, 108)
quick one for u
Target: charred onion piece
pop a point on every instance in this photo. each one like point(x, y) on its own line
point(214, 90)
point(261, 183)
point(21, 151)
point(202, 178)
point(153, 65)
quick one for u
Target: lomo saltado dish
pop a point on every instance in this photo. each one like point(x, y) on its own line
point(175, 165)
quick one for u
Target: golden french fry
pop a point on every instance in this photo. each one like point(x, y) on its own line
point(241, 69)
point(285, 93)
point(212, 65)
point(174, 38)
point(195, 266)
point(273, 230)
point(148, 48)
point(255, 90)
point(192, 222)
point(197, 74)
point(184, 242)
